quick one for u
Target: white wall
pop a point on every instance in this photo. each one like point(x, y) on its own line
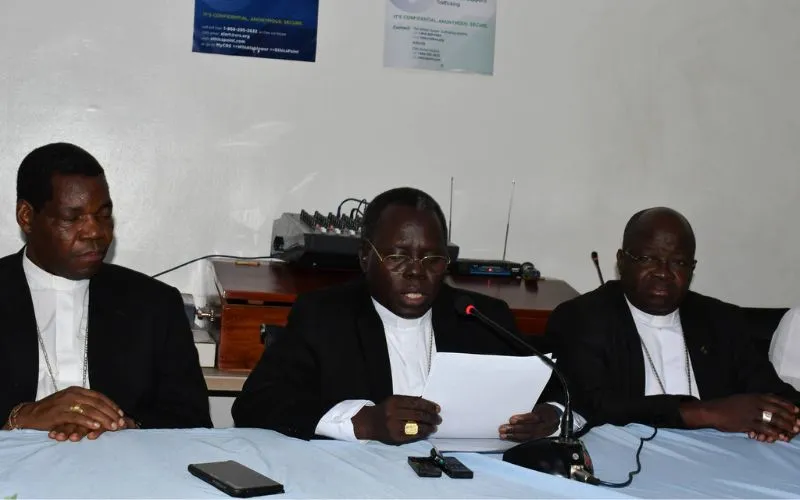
point(220, 409)
point(597, 109)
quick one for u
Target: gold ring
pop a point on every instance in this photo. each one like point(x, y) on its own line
point(76, 409)
point(411, 428)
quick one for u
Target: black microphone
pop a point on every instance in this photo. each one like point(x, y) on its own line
point(561, 456)
point(597, 266)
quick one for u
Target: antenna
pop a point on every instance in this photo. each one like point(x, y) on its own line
point(450, 216)
point(508, 221)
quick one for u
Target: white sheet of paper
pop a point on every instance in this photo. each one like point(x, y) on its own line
point(479, 393)
point(472, 445)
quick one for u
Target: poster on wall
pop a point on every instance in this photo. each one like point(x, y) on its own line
point(443, 35)
point(275, 29)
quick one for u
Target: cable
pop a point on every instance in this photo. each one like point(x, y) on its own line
point(583, 430)
point(624, 484)
point(339, 209)
point(357, 210)
point(207, 257)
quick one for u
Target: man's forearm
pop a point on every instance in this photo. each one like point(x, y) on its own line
point(695, 415)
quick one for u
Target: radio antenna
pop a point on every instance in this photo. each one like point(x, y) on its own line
point(508, 221)
point(450, 216)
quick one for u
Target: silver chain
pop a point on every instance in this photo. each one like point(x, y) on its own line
point(430, 348)
point(83, 327)
point(655, 372)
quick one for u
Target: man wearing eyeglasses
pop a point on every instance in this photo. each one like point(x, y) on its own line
point(646, 349)
point(356, 357)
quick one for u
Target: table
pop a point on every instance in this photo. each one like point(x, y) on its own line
point(152, 464)
point(254, 299)
point(224, 383)
point(696, 464)
point(279, 283)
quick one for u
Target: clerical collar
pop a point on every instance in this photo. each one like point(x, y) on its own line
point(670, 320)
point(39, 279)
point(390, 319)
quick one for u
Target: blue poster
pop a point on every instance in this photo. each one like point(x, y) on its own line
point(277, 29)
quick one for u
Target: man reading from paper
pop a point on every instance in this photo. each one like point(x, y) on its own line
point(87, 347)
point(355, 358)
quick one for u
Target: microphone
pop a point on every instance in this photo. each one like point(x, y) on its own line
point(562, 456)
point(597, 266)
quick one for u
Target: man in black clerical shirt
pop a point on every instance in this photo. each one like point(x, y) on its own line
point(354, 359)
point(646, 349)
point(87, 347)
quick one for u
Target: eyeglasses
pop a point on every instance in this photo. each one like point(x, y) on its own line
point(650, 262)
point(398, 263)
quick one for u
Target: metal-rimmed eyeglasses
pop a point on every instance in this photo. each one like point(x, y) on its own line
point(398, 263)
point(651, 262)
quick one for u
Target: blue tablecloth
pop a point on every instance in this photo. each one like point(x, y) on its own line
point(696, 464)
point(152, 464)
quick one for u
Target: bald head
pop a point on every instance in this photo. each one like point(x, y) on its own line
point(645, 222)
point(656, 260)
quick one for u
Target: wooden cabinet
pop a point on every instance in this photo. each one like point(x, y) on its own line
point(254, 303)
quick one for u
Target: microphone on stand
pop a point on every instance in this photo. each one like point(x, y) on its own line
point(597, 266)
point(562, 456)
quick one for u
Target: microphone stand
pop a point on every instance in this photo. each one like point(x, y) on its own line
point(563, 455)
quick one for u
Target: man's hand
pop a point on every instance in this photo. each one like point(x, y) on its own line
point(72, 406)
point(387, 421)
point(75, 432)
point(541, 422)
point(744, 413)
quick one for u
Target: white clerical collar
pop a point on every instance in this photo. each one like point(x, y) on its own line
point(40, 279)
point(670, 320)
point(390, 319)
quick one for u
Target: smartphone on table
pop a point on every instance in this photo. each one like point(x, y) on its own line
point(235, 479)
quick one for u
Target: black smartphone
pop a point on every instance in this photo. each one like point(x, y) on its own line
point(424, 467)
point(235, 479)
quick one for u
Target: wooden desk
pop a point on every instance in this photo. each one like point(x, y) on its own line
point(253, 298)
point(224, 382)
